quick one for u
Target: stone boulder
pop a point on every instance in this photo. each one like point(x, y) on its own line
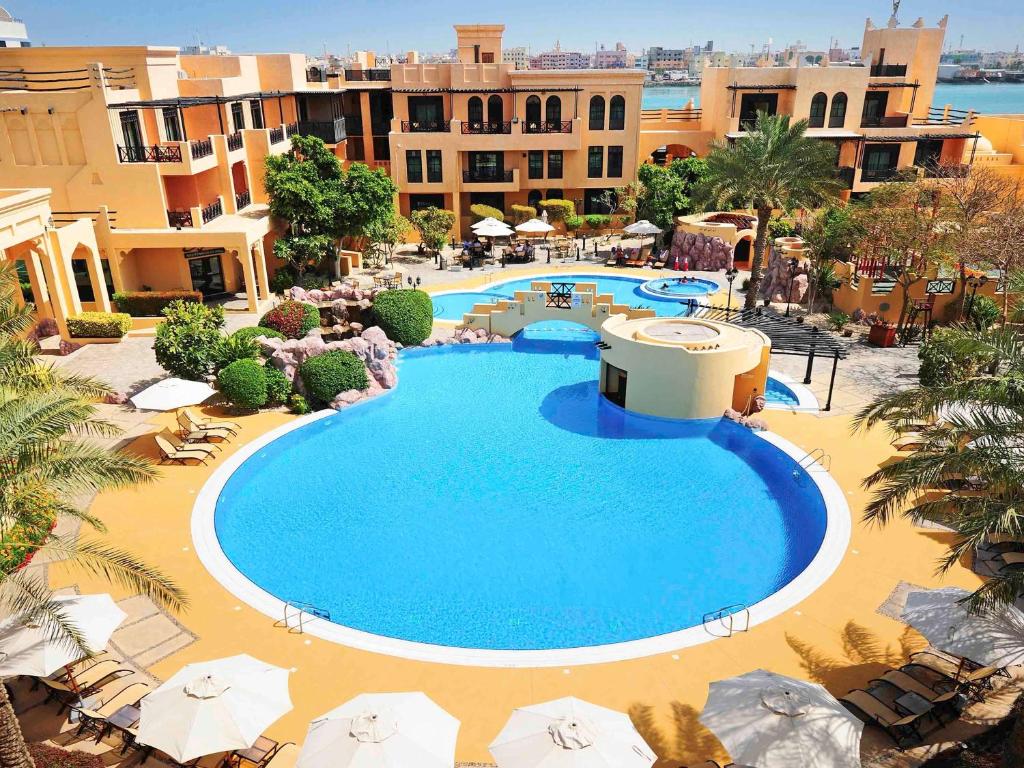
point(701, 252)
point(778, 279)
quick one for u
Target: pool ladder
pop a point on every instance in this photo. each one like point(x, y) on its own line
point(816, 456)
point(296, 613)
point(727, 621)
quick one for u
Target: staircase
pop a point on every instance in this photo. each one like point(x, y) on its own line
point(883, 286)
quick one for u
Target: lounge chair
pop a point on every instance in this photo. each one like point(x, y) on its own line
point(65, 693)
point(191, 433)
point(660, 259)
point(178, 456)
point(967, 677)
point(284, 756)
point(94, 719)
point(1011, 561)
point(202, 423)
point(943, 702)
point(905, 731)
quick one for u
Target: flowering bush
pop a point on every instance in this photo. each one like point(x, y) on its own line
point(20, 542)
point(45, 756)
point(292, 318)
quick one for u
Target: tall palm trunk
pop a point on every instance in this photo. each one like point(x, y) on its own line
point(757, 262)
point(13, 752)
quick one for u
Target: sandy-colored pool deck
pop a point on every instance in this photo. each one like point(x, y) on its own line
point(837, 636)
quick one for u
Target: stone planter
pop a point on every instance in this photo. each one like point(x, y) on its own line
point(882, 336)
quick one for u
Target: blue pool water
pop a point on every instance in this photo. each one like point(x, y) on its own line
point(780, 394)
point(626, 290)
point(495, 501)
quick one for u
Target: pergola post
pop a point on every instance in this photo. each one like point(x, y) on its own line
point(832, 382)
point(810, 359)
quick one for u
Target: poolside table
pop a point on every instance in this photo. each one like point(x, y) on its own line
point(913, 703)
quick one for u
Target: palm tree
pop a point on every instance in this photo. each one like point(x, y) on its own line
point(774, 166)
point(47, 458)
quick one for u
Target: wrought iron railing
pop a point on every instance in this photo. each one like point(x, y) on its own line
point(880, 174)
point(486, 128)
point(426, 126)
point(291, 129)
point(486, 177)
point(200, 148)
point(212, 211)
point(179, 219)
point(156, 153)
point(277, 135)
point(328, 131)
point(242, 199)
point(234, 141)
point(885, 121)
point(548, 126)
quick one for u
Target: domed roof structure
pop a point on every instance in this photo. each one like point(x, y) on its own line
point(972, 150)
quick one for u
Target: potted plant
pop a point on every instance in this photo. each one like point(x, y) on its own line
point(882, 334)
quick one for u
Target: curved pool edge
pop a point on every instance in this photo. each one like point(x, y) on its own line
point(807, 401)
point(207, 546)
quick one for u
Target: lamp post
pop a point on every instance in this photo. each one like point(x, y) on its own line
point(730, 275)
point(974, 283)
point(789, 290)
point(413, 284)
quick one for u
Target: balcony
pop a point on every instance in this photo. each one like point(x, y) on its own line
point(291, 129)
point(869, 175)
point(277, 135)
point(367, 75)
point(426, 126)
point(234, 141)
point(243, 200)
point(487, 177)
point(487, 128)
point(156, 153)
point(179, 219)
point(328, 131)
point(548, 126)
point(888, 70)
point(212, 211)
point(885, 121)
point(200, 148)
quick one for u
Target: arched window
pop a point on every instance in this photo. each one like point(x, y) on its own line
point(533, 110)
point(616, 114)
point(553, 110)
point(475, 109)
point(837, 115)
point(534, 197)
point(597, 113)
point(556, 194)
point(818, 104)
point(495, 110)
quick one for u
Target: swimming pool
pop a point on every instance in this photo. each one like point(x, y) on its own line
point(495, 502)
point(452, 305)
point(778, 393)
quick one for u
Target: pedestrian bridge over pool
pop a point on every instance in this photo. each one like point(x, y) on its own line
point(550, 300)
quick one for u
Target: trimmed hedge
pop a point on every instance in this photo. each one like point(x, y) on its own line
point(151, 303)
point(558, 210)
point(332, 372)
point(99, 325)
point(574, 222)
point(244, 384)
point(405, 316)
point(279, 388)
point(521, 213)
point(597, 220)
point(292, 318)
point(252, 331)
point(481, 211)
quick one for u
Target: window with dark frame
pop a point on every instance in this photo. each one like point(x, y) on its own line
point(596, 122)
point(130, 130)
point(434, 172)
point(172, 125)
point(237, 116)
point(414, 166)
point(617, 114)
point(615, 162)
point(555, 164)
point(595, 162)
point(536, 164)
point(256, 113)
point(837, 114)
point(817, 114)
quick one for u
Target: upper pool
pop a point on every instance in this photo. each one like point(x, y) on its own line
point(452, 305)
point(495, 501)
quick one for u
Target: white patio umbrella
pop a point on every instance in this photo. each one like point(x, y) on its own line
point(773, 721)
point(485, 222)
point(497, 229)
point(382, 730)
point(992, 637)
point(26, 648)
point(570, 733)
point(214, 706)
point(642, 227)
point(534, 227)
point(172, 393)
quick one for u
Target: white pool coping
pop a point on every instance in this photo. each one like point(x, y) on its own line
point(807, 402)
point(829, 555)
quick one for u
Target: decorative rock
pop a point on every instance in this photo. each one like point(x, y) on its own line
point(357, 328)
point(67, 347)
point(777, 279)
point(701, 252)
point(115, 398)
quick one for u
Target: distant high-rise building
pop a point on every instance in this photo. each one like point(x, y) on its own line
point(206, 50)
point(559, 59)
point(710, 46)
point(667, 58)
point(619, 58)
point(518, 57)
point(12, 31)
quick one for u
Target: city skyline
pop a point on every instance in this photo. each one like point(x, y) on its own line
point(427, 28)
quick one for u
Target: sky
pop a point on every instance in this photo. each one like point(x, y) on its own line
point(399, 25)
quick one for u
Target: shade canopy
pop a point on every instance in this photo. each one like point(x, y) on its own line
point(497, 229)
point(534, 227)
point(490, 220)
point(382, 730)
point(172, 393)
point(570, 733)
point(26, 647)
point(214, 706)
point(773, 721)
point(642, 227)
point(992, 637)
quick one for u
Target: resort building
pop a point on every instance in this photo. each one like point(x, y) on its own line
point(162, 155)
point(518, 57)
point(13, 33)
point(879, 115)
point(480, 131)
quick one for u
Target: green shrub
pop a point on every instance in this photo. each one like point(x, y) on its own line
point(984, 312)
point(434, 226)
point(620, 221)
point(597, 220)
point(151, 303)
point(574, 222)
point(99, 325)
point(943, 363)
point(292, 318)
point(332, 372)
point(481, 211)
point(838, 320)
point(297, 404)
point(252, 331)
point(521, 213)
point(21, 540)
point(405, 316)
point(558, 210)
point(234, 348)
point(778, 227)
point(278, 386)
point(244, 384)
point(188, 342)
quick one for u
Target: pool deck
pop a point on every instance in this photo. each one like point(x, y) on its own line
point(836, 636)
